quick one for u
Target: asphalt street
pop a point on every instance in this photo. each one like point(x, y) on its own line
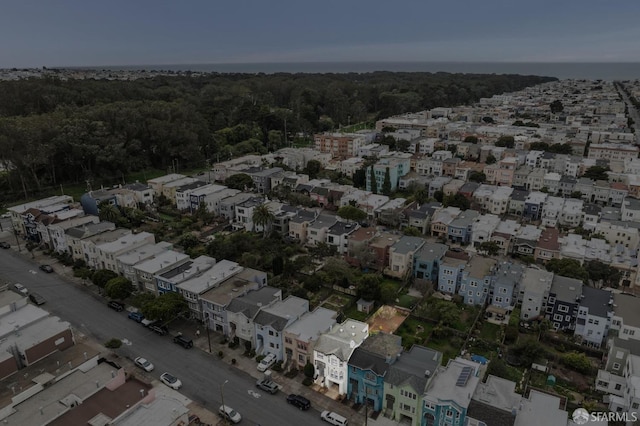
point(202, 374)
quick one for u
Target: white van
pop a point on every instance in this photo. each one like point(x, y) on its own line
point(333, 418)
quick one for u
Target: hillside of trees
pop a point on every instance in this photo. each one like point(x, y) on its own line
point(56, 132)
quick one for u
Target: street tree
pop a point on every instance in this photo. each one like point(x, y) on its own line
point(166, 307)
point(118, 288)
point(102, 276)
point(374, 182)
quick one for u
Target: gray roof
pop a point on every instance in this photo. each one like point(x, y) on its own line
point(137, 186)
point(626, 306)
point(591, 209)
point(323, 221)
point(341, 228)
point(519, 195)
point(432, 251)
point(282, 313)
point(469, 187)
point(490, 415)
point(412, 366)
point(597, 300)
point(303, 216)
point(566, 289)
point(632, 345)
point(251, 303)
point(90, 229)
point(377, 352)
point(465, 219)
point(312, 324)
point(407, 244)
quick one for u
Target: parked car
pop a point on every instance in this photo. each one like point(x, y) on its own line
point(116, 306)
point(159, 329)
point(5, 245)
point(333, 418)
point(143, 363)
point(267, 362)
point(21, 289)
point(268, 385)
point(229, 413)
point(46, 268)
point(299, 401)
point(147, 322)
point(136, 316)
point(183, 341)
point(171, 381)
point(37, 299)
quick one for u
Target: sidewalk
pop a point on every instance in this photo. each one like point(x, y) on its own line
point(192, 328)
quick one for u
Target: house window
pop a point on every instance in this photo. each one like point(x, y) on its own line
point(618, 386)
point(616, 366)
point(563, 308)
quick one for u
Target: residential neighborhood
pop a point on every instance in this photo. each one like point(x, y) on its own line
point(484, 271)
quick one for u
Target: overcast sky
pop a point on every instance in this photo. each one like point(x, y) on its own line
point(35, 33)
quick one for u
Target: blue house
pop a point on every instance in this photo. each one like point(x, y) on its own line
point(92, 199)
point(426, 261)
point(447, 399)
point(460, 228)
point(533, 205)
point(450, 274)
point(271, 322)
point(505, 282)
point(368, 367)
point(475, 280)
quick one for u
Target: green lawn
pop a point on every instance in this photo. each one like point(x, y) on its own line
point(407, 301)
point(353, 313)
point(489, 332)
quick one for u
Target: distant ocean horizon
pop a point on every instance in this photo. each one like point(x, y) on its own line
point(563, 70)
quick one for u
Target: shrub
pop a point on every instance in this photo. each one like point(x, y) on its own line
point(578, 362)
point(277, 366)
point(308, 381)
point(220, 354)
point(309, 370)
point(233, 361)
point(113, 343)
point(260, 358)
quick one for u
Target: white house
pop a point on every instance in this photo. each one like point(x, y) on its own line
point(332, 352)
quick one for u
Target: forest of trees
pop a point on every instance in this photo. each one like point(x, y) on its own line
point(56, 132)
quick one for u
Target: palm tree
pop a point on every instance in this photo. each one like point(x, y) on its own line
point(108, 212)
point(262, 216)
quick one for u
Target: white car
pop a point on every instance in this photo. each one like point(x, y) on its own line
point(143, 363)
point(267, 362)
point(229, 413)
point(21, 289)
point(171, 381)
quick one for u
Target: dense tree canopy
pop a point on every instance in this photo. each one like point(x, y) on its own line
point(56, 131)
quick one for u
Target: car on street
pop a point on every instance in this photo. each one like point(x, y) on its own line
point(159, 329)
point(229, 413)
point(46, 268)
point(37, 299)
point(116, 306)
point(183, 341)
point(333, 418)
point(21, 289)
point(299, 401)
point(5, 245)
point(267, 362)
point(136, 316)
point(170, 380)
point(268, 385)
point(143, 363)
